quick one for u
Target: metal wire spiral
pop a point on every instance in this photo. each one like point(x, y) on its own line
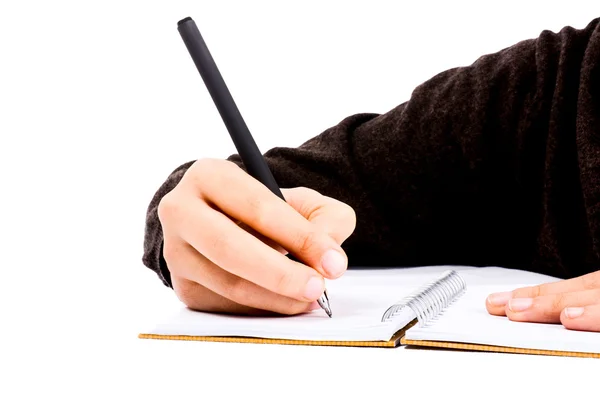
point(431, 300)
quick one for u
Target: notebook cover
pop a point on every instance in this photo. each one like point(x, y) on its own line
point(495, 349)
point(393, 342)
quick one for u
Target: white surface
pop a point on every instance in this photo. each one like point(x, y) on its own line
point(359, 300)
point(99, 102)
point(467, 321)
point(358, 305)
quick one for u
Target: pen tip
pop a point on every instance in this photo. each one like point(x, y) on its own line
point(324, 303)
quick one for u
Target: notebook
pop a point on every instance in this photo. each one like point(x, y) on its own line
point(466, 325)
point(437, 306)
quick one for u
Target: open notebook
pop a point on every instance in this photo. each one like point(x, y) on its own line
point(436, 306)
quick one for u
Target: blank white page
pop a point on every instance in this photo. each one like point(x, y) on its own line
point(358, 301)
point(467, 321)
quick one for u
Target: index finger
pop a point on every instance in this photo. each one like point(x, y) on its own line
point(496, 302)
point(240, 253)
point(256, 206)
point(584, 282)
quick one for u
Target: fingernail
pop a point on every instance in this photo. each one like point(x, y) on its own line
point(314, 288)
point(314, 306)
point(574, 312)
point(333, 263)
point(499, 299)
point(522, 304)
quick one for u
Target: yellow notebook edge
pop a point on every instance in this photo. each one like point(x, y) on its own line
point(394, 341)
point(494, 349)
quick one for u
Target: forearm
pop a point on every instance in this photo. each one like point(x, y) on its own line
point(495, 163)
point(490, 164)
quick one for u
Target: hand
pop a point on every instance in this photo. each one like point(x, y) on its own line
point(574, 302)
point(226, 237)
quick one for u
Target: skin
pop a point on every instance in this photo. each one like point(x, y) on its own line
point(574, 303)
point(236, 262)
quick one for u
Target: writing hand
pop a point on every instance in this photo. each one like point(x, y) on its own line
point(226, 237)
point(574, 302)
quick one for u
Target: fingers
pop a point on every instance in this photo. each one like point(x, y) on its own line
point(269, 242)
point(496, 302)
point(202, 285)
point(575, 303)
point(337, 219)
point(197, 297)
point(582, 318)
point(226, 249)
point(584, 282)
point(548, 308)
point(236, 251)
point(273, 218)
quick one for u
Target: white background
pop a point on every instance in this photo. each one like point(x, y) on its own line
point(99, 101)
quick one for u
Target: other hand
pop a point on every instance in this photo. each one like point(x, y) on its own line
point(574, 302)
point(226, 237)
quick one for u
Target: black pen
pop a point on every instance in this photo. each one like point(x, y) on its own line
point(240, 134)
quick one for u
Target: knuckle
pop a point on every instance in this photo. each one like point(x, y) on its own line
point(558, 302)
point(348, 214)
point(306, 242)
point(284, 282)
point(168, 208)
point(546, 289)
point(347, 218)
point(237, 290)
point(205, 165)
point(203, 170)
point(257, 211)
point(170, 254)
point(591, 280)
point(187, 294)
point(535, 291)
point(306, 191)
point(197, 172)
point(528, 291)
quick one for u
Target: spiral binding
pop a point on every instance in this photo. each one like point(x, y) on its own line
point(431, 300)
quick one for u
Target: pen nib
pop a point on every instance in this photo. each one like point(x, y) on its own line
point(324, 303)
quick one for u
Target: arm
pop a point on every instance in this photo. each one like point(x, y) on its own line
point(489, 164)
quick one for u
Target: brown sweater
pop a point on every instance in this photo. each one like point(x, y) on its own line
point(496, 163)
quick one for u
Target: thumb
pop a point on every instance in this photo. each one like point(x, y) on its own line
point(334, 217)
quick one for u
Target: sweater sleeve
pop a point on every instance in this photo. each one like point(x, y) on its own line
point(495, 163)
